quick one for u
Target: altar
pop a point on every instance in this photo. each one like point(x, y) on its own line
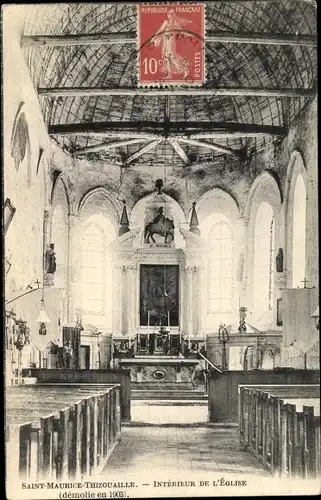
point(155, 369)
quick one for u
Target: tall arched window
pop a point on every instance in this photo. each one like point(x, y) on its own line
point(93, 270)
point(220, 265)
point(299, 233)
point(264, 251)
point(96, 270)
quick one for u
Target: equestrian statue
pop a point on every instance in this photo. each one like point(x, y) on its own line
point(160, 225)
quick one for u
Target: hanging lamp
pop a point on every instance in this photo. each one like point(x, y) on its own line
point(43, 317)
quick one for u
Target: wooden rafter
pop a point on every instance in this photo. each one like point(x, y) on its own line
point(130, 37)
point(109, 145)
point(151, 130)
point(189, 91)
point(208, 145)
point(143, 150)
point(179, 150)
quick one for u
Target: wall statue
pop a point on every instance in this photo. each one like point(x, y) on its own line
point(279, 261)
point(160, 225)
point(50, 261)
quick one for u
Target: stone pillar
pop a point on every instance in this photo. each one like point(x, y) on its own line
point(190, 310)
point(123, 300)
point(131, 300)
point(117, 300)
point(105, 344)
point(201, 299)
point(244, 292)
point(74, 268)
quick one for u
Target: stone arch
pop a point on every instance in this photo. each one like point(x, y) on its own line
point(213, 202)
point(264, 189)
point(60, 193)
point(295, 168)
point(93, 201)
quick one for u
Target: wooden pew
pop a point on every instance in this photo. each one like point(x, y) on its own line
point(280, 425)
point(70, 430)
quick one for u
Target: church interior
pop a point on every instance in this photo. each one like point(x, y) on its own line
point(160, 243)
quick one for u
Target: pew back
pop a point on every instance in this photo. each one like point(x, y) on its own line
point(60, 431)
point(280, 425)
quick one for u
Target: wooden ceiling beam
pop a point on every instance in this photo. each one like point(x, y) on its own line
point(108, 145)
point(188, 91)
point(142, 151)
point(208, 145)
point(130, 37)
point(153, 130)
point(179, 150)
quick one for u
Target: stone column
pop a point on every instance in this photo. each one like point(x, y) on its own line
point(189, 274)
point(244, 293)
point(201, 299)
point(124, 298)
point(74, 269)
point(117, 300)
point(131, 302)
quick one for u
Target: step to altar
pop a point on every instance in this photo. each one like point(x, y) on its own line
point(178, 395)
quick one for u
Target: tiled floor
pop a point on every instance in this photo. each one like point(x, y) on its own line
point(172, 449)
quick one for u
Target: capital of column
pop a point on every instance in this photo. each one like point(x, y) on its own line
point(46, 215)
point(190, 268)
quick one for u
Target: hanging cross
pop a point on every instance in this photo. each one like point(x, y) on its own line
point(38, 282)
point(305, 281)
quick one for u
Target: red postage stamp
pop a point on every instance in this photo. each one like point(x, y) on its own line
point(171, 44)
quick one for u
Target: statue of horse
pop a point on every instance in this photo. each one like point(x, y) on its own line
point(164, 227)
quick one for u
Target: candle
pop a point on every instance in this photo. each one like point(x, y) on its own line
point(148, 318)
point(168, 319)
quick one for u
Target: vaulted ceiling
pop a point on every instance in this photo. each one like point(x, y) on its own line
point(261, 72)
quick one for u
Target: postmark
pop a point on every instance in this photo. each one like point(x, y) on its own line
point(170, 40)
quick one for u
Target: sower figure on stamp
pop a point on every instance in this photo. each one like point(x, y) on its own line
point(166, 37)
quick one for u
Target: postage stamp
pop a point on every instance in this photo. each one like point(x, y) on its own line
point(170, 41)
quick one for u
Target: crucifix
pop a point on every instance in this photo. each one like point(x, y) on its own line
point(38, 282)
point(305, 281)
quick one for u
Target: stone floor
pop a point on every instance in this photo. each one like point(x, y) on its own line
point(172, 449)
point(167, 446)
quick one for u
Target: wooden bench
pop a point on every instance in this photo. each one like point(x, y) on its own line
point(280, 425)
point(61, 431)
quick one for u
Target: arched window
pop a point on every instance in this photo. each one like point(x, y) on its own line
point(264, 251)
point(299, 233)
point(96, 270)
point(93, 270)
point(220, 265)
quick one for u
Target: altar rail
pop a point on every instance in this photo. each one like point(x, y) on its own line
point(60, 431)
point(280, 425)
point(223, 387)
point(63, 376)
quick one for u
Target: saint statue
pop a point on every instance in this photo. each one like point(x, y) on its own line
point(279, 261)
point(51, 259)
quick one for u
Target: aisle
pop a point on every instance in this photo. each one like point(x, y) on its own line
point(174, 448)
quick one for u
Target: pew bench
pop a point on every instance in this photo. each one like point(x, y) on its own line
point(280, 425)
point(61, 431)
